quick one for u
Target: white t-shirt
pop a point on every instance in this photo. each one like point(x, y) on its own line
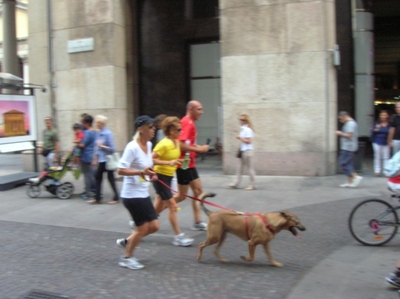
point(246, 132)
point(134, 158)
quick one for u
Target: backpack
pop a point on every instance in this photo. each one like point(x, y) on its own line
point(392, 166)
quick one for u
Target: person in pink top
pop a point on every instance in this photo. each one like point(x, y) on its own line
point(189, 177)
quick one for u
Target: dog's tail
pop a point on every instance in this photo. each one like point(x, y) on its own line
point(202, 196)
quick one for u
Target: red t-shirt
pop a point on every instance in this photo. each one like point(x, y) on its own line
point(188, 135)
point(79, 135)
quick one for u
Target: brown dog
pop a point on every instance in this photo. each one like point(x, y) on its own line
point(256, 229)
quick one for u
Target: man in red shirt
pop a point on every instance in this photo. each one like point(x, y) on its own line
point(189, 177)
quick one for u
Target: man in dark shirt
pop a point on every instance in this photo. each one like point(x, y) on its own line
point(87, 152)
point(394, 131)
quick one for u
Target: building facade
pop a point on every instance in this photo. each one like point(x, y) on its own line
point(273, 60)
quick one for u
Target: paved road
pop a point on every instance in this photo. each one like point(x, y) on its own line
point(68, 247)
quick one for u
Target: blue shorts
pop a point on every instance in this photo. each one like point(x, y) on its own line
point(76, 152)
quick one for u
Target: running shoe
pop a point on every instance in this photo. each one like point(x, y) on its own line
point(180, 240)
point(199, 226)
point(393, 280)
point(121, 243)
point(130, 263)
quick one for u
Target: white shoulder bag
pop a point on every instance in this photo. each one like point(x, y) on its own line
point(112, 161)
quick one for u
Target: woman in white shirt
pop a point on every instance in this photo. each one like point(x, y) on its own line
point(246, 136)
point(136, 167)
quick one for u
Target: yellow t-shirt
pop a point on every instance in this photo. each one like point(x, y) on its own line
point(167, 150)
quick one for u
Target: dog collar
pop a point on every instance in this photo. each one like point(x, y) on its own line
point(246, 223)
point(266, 223)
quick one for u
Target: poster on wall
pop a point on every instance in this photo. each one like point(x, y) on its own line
point(17, 119)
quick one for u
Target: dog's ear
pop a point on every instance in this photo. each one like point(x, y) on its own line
point(285, 215)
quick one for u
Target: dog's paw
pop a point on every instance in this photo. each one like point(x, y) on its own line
point(279, 265)
point(247, 259)
point(224, 260)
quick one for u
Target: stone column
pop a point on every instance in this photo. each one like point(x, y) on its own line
point(364, 68)
point(277, 68)
point(10, 58)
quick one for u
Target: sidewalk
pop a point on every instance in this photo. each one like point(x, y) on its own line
point(327, 263)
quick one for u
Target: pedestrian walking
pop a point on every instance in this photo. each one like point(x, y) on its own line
point(104, 146)
point(246, 152)
point(379, 139)
point(87, 146)
point(136, 167)
point(348, 146)
point(189, 177)
point(51, 143)
point(166, 158)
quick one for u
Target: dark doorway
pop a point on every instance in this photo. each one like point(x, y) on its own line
point(164, 29)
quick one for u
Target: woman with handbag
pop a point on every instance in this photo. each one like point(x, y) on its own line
point(105, 147)
point(245, 153)
point(379, 138)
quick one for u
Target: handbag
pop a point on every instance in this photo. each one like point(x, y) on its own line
point(239, 154)
point(112, 161)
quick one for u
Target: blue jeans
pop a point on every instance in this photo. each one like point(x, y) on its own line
point(346, 161)
point(88, 174)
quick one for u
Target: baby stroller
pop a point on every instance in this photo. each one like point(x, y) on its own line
point(50, 179)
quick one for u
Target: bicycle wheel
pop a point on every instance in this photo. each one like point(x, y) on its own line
point(373, 222)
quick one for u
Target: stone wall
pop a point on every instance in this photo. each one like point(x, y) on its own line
point(276, 67)
point(93, 82)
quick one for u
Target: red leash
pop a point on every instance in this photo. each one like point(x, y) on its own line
point(200, 200)
point(224, 208)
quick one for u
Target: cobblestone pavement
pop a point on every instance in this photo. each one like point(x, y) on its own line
point(82, 263)
point(68, 247)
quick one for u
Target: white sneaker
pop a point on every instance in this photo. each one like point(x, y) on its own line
point(121, 243)
point(199, 226)
point(34, 180)
point(345, 185)
point(356, 181)
point(130, 263)
point(180, 240)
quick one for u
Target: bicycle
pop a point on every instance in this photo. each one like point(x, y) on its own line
point(374, 222)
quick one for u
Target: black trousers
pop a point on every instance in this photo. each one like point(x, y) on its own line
point(101, 168)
